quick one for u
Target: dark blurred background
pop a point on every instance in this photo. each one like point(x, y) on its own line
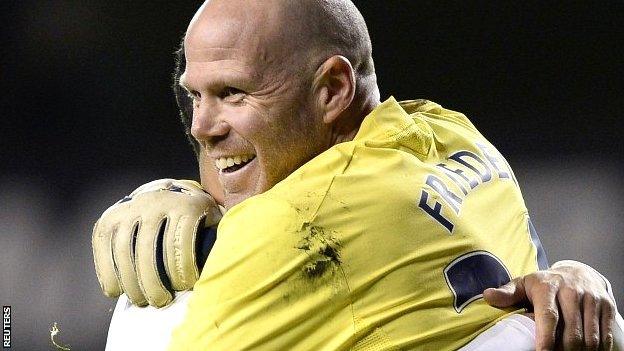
point(88, 115)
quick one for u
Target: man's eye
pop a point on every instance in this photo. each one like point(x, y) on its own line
point(195, 98)
point(231, 93)
point(193, 95)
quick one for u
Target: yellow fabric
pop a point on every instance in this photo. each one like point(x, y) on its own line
point(340, 255)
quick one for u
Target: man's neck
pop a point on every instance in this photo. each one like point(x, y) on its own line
point(359, 112)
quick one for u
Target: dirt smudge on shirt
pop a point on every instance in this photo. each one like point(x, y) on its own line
point(323, 250)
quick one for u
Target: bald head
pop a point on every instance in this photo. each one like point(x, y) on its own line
point(323, 28)
point(294, 34)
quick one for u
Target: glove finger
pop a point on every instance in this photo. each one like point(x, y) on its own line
point(181, 239)
point(123, 254)
point(101, 242)
point(150, 266)
point(180, 255)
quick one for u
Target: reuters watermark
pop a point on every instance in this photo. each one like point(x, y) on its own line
point(6, 327)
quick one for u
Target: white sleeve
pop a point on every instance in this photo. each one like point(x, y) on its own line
point(517, 333)
point(145, 328)
point(513, 333)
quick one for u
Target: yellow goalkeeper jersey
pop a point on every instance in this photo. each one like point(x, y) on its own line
point(385, 242)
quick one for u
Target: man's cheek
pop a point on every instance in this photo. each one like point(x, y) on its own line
point(260, 109)
point(209, 177)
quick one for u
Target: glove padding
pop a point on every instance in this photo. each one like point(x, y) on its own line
point(145, 244)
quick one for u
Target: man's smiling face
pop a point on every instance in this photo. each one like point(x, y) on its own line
point(252, 112)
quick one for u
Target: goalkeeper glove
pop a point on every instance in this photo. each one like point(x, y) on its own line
point(149, 244)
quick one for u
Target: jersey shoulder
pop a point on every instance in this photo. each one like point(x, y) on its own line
point(434, 111)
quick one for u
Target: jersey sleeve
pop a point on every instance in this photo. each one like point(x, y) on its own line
point(263, 286)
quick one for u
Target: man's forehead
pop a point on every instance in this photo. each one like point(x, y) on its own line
point(225, 36)
point(213, 36)
point(200, 73)
point(211, 54)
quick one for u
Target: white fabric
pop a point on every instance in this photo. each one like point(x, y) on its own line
point(144, 328)
point(514, 333)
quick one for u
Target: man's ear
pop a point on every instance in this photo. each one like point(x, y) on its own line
point(334, 85)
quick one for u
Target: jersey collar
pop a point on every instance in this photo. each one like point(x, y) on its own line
point(391, 125)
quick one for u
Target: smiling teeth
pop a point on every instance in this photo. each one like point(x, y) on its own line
point(225, 162)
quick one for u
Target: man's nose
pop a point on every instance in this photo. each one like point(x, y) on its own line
point(208, 125)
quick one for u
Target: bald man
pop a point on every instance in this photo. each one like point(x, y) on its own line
point(351, 223)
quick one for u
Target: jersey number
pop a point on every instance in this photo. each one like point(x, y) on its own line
point(469, 274)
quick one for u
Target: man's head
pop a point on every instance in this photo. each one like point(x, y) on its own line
point(274, 83)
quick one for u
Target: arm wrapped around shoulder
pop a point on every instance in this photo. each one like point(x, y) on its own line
point(147, 244)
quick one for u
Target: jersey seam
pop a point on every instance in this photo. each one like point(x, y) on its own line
point(344, 276)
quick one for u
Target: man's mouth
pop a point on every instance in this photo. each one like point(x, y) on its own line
point(231, 164)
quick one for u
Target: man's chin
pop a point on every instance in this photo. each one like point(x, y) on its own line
point(236, 196)
point(232, 200)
